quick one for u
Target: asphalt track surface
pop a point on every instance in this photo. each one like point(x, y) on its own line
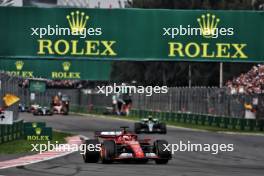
point(246, 160)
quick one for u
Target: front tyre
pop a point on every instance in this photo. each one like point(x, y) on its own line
point(163, 155)
point(163, 128)
point(91, 156)
point(64, 111)
point(108, 151)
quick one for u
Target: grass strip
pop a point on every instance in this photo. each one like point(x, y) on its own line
point(24, 146)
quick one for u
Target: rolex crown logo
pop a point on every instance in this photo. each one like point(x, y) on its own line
point(38, 131)
point(66, 66)
point(208, 24)
point(19, 65)
point(34, 125)
point(77, 21)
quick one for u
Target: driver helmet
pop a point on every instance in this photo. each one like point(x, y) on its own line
point(150, 117)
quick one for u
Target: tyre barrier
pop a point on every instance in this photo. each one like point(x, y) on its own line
point(11, 132)
point(229, 123)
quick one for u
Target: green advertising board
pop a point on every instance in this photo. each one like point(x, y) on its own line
point(37, 86)
point(38, 134)
point(34, 124)
point(37, 131)
point(131, 34)
point(57, 69)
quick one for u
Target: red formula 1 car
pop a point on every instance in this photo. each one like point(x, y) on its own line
point(125, 146)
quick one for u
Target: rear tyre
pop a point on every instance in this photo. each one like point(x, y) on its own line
point(108, 151)
point(91, 156)
point(159, 149)
point(137, 127)
point(163, 128)
point(64, 111)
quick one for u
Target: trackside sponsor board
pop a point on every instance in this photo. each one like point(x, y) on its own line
point(122, 34)
point(37, 131)
point(57, 68)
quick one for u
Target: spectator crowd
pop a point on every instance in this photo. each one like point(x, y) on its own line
point(251, 82)
point(71, 84)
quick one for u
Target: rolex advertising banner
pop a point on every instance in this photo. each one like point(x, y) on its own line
point(130, 34)
point(37, 131)
point(57, 69)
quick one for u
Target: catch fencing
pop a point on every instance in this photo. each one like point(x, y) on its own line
point(212, 107)
point(197, 100)
point(197, 105)
point(45, 98)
